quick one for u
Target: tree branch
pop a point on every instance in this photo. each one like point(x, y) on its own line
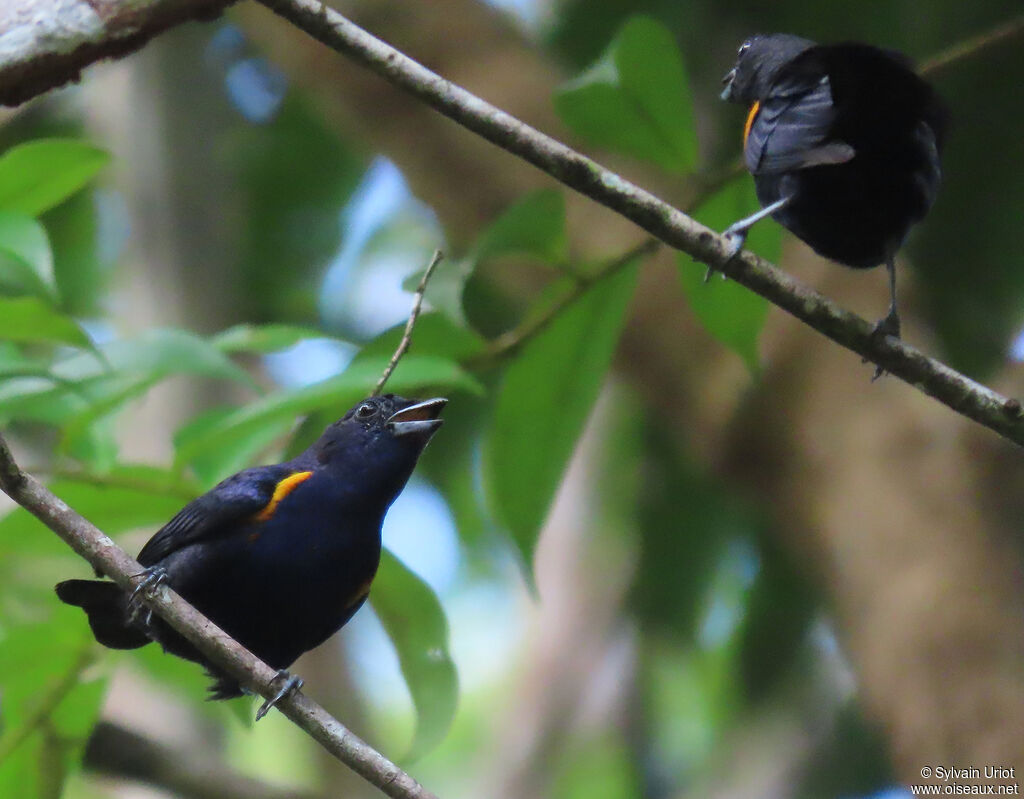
point(1000, 34)
point(104, 555)
point(187, 773)
point(963, 395)
point(47, 43)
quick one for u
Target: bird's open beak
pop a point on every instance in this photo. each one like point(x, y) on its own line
point(420, 418)
point(730, 76)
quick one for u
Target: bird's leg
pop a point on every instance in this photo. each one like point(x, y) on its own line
point(152, 577)
point(889, 325)
point(737, 232)
point(291, 683)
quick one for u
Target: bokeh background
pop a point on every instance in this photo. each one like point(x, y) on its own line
point(761, 574)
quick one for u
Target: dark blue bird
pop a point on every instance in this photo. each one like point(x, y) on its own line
point(281, 556)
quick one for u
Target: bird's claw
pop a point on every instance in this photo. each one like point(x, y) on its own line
point(889, 325)
point(291, 683)
point(153, 577)
point(736, 237)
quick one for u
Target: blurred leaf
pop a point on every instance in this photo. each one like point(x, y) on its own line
point(213, 465)
point(601, 768)
point(546, 396)
point(31, 319)
point(81, 274)
point(40, 174)
point(435, 334)
point(49, 704)
point(732, 313)
point(129, 498)
point(263, 338)
point(852, 760)
point(415, 622)
point(533, 226)
point(26, 263)
point(780, 608)
point(453, 468)
point(680, 552)
point(636, 98)
point(155, 354)
point(339, 392)
point(295, 175)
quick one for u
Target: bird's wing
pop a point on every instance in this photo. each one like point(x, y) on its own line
point(790, 129)
point(243, 496)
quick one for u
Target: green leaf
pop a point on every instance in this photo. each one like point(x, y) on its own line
point(26, 263)
point(129, 498)
point(533, 226)
point(294, 174)
point(546, 395)
point(156, 354)
point(263, 338)
point(435, 335)
point(415, 622)
point(213, 465)
point(636, 98)
point(38, 175)
point(732, 313)
point(31, 319)
point(51, 701)
point(82, 266)
point(340, 392)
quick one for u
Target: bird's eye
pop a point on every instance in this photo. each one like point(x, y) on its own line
point(743, 48)
point(365, 411)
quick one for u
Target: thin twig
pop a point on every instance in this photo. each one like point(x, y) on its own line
point(417, 304)
point(965, 396)
point(215, 644)
point(961, 50)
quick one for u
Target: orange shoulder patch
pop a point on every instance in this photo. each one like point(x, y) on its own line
point(281, 490)
point(750, 120)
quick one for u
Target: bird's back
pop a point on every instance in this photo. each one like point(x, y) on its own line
point(858, 212)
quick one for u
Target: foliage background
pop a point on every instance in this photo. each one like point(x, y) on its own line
point(758, 573)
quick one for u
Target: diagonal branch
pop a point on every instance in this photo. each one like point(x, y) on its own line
point(89, 542)
point(963, 395)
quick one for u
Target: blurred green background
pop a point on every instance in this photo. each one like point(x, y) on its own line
point(669, 543)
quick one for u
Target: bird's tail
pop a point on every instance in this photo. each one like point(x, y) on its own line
point(104, 603)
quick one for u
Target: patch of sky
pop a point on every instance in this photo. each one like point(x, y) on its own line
point(387, 234)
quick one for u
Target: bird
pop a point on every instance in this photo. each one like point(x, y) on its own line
point(279, 556)
point(843, 142)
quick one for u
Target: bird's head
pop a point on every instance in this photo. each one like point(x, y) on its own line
point(376, 444)
point(758, 62)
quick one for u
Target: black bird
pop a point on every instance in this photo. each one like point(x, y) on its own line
point(279, 556)
point(843, 142)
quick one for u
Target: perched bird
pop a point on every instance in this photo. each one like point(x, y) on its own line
point(843, 142)
point(280, 556)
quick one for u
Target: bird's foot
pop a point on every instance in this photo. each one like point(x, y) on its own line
point(291, 683)
point(153, 577)
point(889, 325)
point(736, 235)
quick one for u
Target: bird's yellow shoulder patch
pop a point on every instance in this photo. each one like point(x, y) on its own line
point(281, 490)
point(750, 120)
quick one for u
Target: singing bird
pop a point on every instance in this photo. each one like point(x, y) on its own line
point(279, 556)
